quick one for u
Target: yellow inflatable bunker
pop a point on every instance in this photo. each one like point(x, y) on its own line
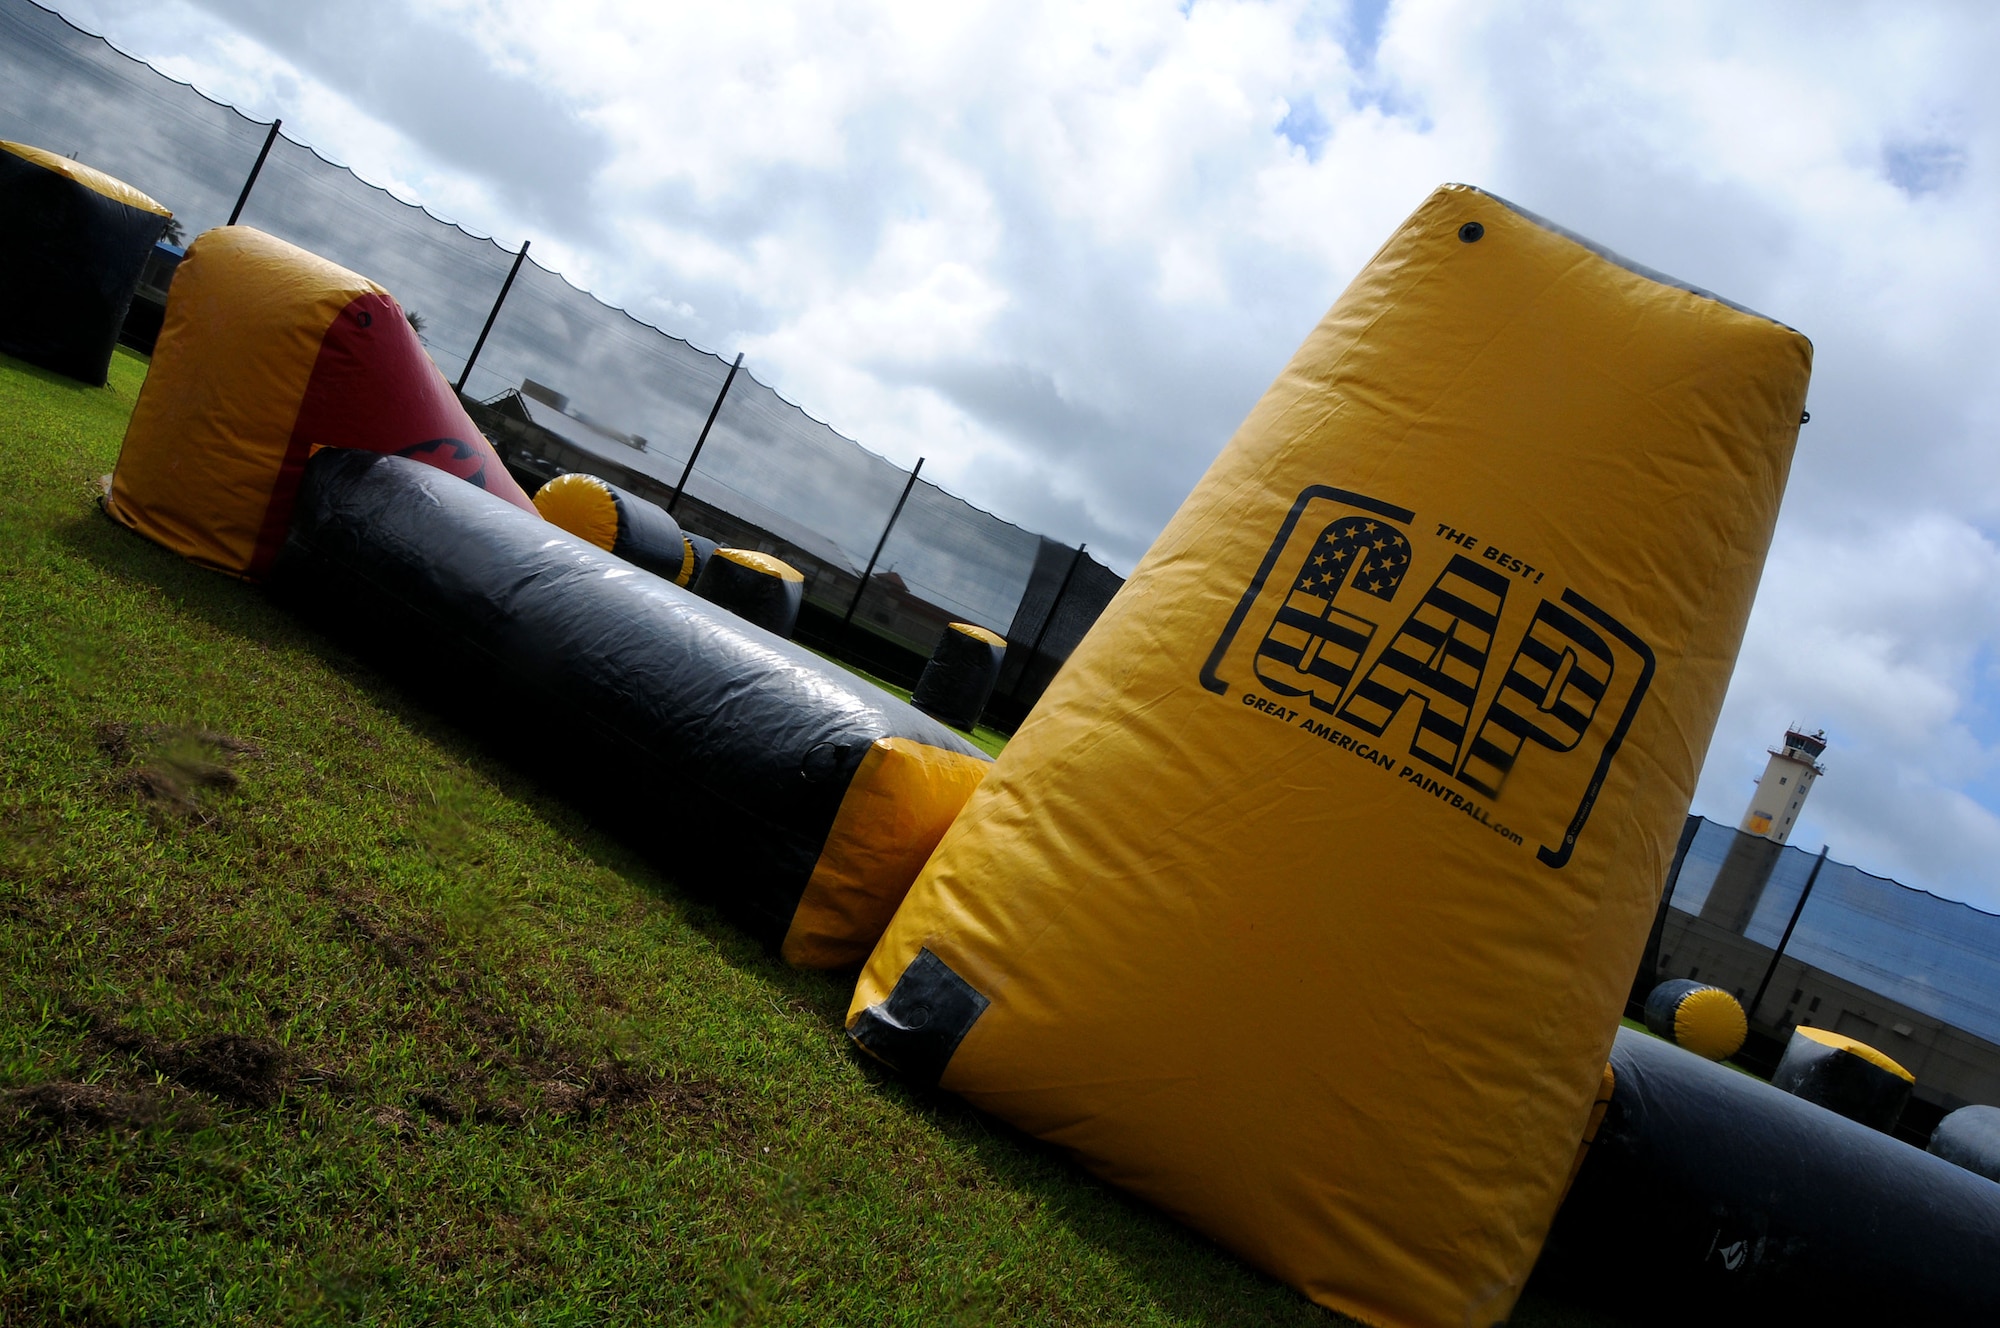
point(1306, 901)
point(268, 354)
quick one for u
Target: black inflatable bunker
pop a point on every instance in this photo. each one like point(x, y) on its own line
point(800, 797)
point(1844, 1075)
point(755, 587)
point(958, 680)
point(1708, 1196)
point(1707, 1020)
point(72, 244)
point(1970, 1138)
point(618, 522)
point(701, 549)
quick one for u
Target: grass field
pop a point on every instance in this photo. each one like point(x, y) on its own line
point(311, 1011)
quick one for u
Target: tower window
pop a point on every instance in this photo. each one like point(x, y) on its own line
point(1815, 1005)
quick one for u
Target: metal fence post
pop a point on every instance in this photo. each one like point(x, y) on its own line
point(255, 171)
point(1786, 939)
point(713, 411)
point(494, 313)
point(855, 603)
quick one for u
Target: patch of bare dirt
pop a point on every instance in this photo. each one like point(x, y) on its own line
point(172, 766)
point(597, 1095)
point(613, 1087)
point(61, 1107)
point(239, 1069)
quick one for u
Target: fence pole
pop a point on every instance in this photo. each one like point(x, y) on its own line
point(255, 171)
point(492, 314)
point(1785, 940)
point(713, 411)
point(1050, 616)
point(859, 590)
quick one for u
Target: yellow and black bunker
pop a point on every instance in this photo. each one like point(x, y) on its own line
point(958, 680)
point(756, 587)
point(1306, 901)
point(798, 796)
point(1707, 1020)
point(73, 242)
point(620, 523)
point(1844, 1075)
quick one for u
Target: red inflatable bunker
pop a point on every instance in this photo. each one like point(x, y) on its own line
point(268, 354)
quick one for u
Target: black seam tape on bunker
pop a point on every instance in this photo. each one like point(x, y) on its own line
point(1709, 1196)
point(928, 1013)
point(719, 750)
point(1970, 1138)
point(70, 259)
point(647, 536)
point(958, 680)
point(1841, 1081)
point(752, 593)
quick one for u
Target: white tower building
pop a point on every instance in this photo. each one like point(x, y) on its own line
point(1774, 807)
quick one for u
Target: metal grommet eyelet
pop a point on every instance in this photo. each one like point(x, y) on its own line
point(1471, 231)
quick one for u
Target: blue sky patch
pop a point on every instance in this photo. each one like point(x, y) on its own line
point(1305, 125)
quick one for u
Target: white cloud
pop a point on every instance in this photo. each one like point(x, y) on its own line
point(1059, 250)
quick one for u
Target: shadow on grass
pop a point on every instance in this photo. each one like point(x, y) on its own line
point(455, 724)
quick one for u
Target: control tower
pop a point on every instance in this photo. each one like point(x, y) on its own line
point(1767, 822)
point(1774, 807)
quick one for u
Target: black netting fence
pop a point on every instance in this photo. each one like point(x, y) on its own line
point(566, 382)
point(1936, 956)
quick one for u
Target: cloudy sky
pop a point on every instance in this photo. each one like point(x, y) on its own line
point(1060, 249)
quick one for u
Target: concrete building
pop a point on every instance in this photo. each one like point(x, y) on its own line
point(1767, 823)
point(1788, 778)
point(1916, 976)
point(1953, 1067)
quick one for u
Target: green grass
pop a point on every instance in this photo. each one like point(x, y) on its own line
point(312, 1011)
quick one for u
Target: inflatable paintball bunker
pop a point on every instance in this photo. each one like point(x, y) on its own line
point(73, 242)
point(799, 796)
point(269, 353)
point(1844, 1075)
point(958, 680)
point(1970, 1138)
point(618, 522)
point(754, 586)
point(1708, 1196)
point(1306, 901)
point(702, 548)
point(1707, 1020)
